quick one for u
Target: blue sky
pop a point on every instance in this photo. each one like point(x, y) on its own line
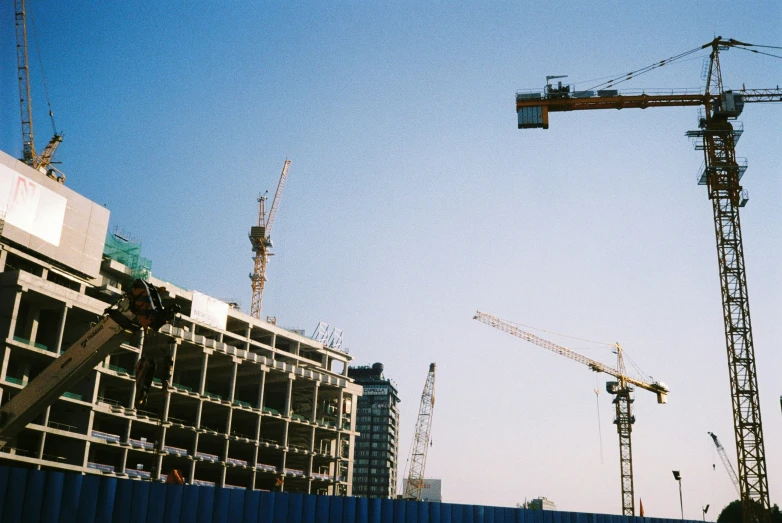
point(413, 200)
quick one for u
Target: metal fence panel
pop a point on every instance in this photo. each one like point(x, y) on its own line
point(70, 498)
point(33, 498)
point(88, 498)
point(52, 497)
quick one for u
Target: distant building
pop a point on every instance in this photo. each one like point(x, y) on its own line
point(432, 490)
point(377, 446)
point(541, 503)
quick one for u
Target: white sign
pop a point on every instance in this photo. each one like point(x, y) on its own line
point(30, 206)
point(208, 310)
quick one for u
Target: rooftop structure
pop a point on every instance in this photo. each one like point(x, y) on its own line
point(251, 405)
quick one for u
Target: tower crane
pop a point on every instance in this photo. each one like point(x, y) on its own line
point(421, 440)
point(721, 174)
point(260, 238)
point(725, 461)
point(29, 156)
point(621, 389)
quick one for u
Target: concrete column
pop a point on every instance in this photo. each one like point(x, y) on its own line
point(229, 421)
point(90, 422)
point(339, 409)
point(221, 478)
point(86, 455)
point(96, 388)
point(123, 462)
point(33, 320)
point(259, 421)
point(289, 396)
point(261, 384)
point(157, 466)
point(25, 374)
point(58, 349)
point(174, 349)
point(190, 475)
point(202, 380)
point(41, 445)
point(315, 401)
point(309, 473)
point(126, 435)
point(198, 414)
point(3, 258)
point(232, 388)
point(4, 368)
point(8, 317)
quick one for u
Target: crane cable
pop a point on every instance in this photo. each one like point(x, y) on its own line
point(641, 373)
point(646, 69)
point(559, 334)
point(656, 65)
point(760, 52)
point(43, 77)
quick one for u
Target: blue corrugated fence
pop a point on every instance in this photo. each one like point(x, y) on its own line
point(35, 496)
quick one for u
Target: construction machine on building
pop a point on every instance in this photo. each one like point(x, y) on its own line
point(621, 389)
point(722, 171)
point(139, 310)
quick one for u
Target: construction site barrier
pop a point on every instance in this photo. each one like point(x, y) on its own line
point(45, 496)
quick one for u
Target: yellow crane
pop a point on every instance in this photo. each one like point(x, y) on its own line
point(620, 388)
point(716, 136)
point(260, 238)
point(42, 161)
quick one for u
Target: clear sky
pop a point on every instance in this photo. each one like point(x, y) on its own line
point(413, 200)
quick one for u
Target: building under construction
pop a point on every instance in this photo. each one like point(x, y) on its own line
point(250, 405)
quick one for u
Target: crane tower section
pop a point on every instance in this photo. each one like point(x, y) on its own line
point(260, 238)
point(423, 430)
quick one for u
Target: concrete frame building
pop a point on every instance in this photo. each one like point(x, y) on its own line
point(251, 405)
point(377, 446)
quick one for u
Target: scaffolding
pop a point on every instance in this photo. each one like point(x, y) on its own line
point(127, 251)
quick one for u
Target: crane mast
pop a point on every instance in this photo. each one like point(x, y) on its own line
point(423, 430)
point(725, 461)
point(260, 238)
point(621, 389)
point(717, 138)
point(29, 156)
point(23, 73)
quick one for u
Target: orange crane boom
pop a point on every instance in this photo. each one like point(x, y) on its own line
point(717, 138)
point(260, 238)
